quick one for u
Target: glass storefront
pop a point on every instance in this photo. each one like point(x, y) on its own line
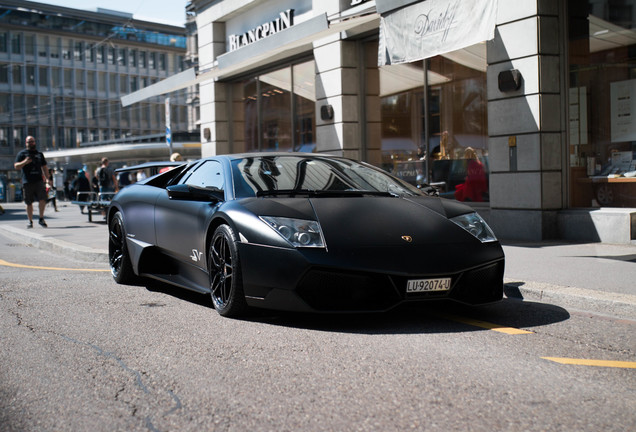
point(453, 155)
point(277, 110)
point(602, 103)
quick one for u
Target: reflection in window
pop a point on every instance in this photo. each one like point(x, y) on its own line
point(278, 109)
point(602, 134)
point(304, 106)
point(456, 152)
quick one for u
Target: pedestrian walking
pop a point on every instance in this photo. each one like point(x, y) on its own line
point(34, 172)
point(81, 187)
point(106, 177)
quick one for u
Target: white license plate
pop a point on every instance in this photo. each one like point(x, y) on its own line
point(426, 285)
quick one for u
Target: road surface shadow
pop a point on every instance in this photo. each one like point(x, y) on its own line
point(412, 318)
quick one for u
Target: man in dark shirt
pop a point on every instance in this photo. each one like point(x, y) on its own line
point(34, 171)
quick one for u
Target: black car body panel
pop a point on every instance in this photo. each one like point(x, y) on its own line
point(374, 242)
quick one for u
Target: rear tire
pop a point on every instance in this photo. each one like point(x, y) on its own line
point(118, 257)
point(226, 284)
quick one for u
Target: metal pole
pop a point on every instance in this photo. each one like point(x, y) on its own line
point(427, 135)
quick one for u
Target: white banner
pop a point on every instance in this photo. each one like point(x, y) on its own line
point(434, 27)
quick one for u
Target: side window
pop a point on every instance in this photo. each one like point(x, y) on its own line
point(209, 175)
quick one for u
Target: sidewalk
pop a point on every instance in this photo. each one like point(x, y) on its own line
point(593, 277)
point(69, 232)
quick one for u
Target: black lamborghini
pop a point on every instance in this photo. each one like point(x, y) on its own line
point(301, 232)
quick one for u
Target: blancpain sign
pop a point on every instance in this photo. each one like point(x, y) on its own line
point(285, 20)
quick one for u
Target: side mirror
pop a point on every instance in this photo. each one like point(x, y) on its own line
point(192, 193)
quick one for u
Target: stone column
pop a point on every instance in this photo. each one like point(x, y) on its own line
point(338, 86)
point(525, 124)
point(212, 95)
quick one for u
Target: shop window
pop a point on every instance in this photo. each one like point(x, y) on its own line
point(453, 153)
point(304, 78)
point(602, 104)
point(278, 110)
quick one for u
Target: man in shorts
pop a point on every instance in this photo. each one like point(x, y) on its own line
point(34, 171)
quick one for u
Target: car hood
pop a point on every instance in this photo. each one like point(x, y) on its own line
point(395, 234)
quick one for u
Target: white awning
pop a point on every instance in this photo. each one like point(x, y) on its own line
point(434, 27)
point(286, 43)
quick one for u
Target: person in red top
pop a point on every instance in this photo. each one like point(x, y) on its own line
point(475, 186)
point(174, 157)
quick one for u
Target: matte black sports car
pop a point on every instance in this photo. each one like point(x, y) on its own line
point(301, 232)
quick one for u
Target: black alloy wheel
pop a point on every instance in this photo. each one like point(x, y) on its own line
point(118, 258)
point(226, 286)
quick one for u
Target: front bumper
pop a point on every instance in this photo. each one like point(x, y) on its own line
point(313, 281)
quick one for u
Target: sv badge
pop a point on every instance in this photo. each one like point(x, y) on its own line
point(196, 255)
point(407, 239)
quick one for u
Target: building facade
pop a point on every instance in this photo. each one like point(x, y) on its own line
point(63, 72)
point(523, 108)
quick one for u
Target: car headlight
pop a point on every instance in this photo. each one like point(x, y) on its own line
point(298, 232)
point(474, 224)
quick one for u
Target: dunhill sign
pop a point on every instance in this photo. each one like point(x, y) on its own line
point(431, 23)
point(432, 27)
point(285, 20)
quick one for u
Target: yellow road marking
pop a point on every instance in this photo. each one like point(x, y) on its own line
point(486, 325)
point(587, 362)
point(8, 264)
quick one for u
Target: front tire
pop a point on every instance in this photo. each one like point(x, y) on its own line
point(226, 285)
point(118, 257)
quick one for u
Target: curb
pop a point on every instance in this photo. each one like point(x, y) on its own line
point(612, 304)
point(55, 245)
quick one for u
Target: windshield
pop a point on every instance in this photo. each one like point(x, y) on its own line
point(313, 176)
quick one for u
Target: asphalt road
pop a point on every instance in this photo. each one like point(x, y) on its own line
point(78, 352)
